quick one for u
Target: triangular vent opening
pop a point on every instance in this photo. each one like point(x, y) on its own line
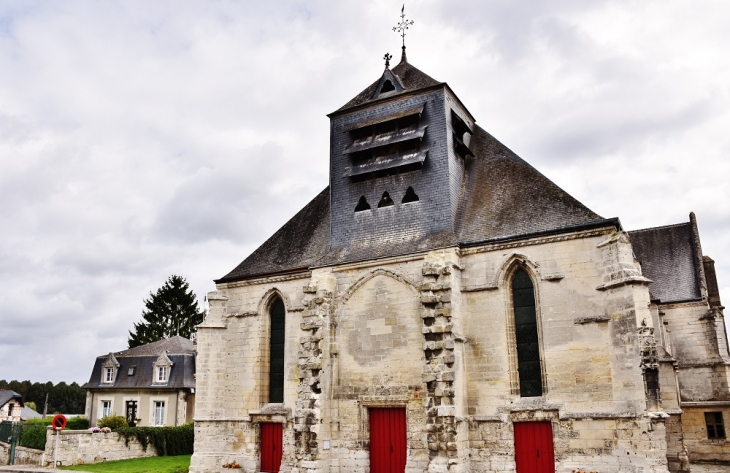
point(362, 204)
point(410, 196)
point(385, 201)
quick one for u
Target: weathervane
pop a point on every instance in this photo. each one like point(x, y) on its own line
point(403, 25)
point(387, 58)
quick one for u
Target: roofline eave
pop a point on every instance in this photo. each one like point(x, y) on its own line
point(400, 96)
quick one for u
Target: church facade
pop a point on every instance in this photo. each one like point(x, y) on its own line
point(443, 307)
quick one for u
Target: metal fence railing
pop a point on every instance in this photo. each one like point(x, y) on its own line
point(10, 432)
point(8, 429)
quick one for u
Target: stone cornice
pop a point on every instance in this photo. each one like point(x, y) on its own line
point(537, 241)
point(265, 279)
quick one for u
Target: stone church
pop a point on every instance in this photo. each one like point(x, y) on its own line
point(443, 307)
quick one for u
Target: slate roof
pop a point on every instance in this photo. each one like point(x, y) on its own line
point(409, 76)
point(174, 346)
point(180, 350)
point(502, 197)
point(667, 257)
point(6, 395)
point(28, 413)
point(297, 245)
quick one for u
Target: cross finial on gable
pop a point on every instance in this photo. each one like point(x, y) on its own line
point(402, 27)
point(387, 58)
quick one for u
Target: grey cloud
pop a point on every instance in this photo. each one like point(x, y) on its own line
point(140, 142)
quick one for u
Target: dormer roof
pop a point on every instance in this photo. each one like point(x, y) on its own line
point(135, 367)
point(409, 79)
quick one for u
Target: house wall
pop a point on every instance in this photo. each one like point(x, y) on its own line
point(5, 411)
point(431, 333)
point(176, 405)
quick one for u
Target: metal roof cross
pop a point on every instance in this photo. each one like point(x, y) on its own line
point(403, 25)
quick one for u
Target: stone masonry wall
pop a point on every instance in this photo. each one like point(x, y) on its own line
point(603, 445)
point(431, 334)
point(76, 447)
point(23, 455)
point(701, 448)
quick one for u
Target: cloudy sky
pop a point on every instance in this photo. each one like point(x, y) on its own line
point(144, 139)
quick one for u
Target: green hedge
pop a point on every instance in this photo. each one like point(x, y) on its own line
point(33, 436)
point(167, 441)
point(74, 423)
point(78, 423)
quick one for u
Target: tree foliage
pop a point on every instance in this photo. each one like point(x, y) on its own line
point(62, 398)
point(172, 310)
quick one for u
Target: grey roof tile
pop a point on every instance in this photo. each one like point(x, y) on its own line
point(180, 350)
point(174, 346)
point(7, 395)
point(410, 77)
point(667, 257)
point(504, 196)
point(298, 244)
point(182, 373)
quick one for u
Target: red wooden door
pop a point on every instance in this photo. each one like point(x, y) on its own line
point(270, 447)
point(387, 440)
point(534, 447)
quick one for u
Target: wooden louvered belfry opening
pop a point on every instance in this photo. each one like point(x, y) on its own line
point(387, 440)
point(526, 335)
point(276, 351)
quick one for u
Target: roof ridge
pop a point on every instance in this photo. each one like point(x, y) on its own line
point(660, 227)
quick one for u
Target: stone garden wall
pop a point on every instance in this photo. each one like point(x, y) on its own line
point(23, 456)
point(82, 446)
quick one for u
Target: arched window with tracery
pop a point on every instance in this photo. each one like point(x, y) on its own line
point(277, 315)
point(527, 338)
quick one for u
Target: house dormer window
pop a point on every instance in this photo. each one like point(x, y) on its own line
point(161, 370)
point(109, 369)
point(161, 374)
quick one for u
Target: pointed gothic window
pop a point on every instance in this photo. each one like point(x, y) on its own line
point(362, 204)
point(385, 201)
point(276, 352)
point(526, 335)
point(410, 196)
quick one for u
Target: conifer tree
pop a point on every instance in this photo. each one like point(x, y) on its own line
point(172, 310)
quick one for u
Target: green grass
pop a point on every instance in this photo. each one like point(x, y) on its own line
point(178, 464)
